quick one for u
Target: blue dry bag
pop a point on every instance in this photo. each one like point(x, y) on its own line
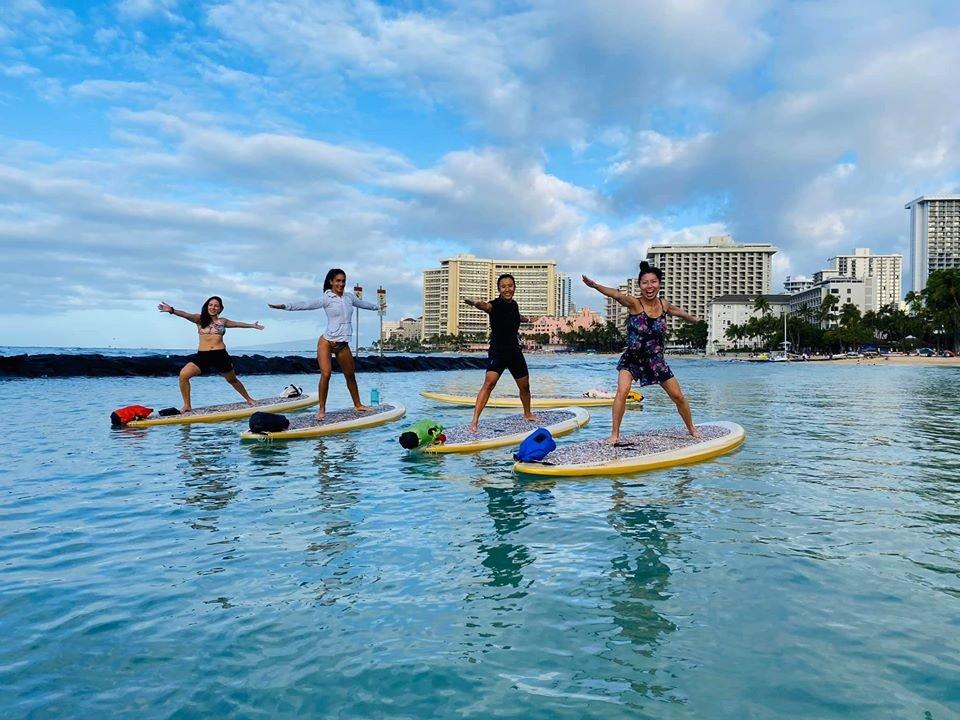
point(535, 446)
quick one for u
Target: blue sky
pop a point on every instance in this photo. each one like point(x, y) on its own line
point(165, 150)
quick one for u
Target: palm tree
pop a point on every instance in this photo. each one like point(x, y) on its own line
point(761, 306)
point(942, 297)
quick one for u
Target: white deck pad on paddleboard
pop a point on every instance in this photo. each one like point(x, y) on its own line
point(513, 401)
point(229, 411)
point(493, 432)
point(341, 420)
point(648, 450)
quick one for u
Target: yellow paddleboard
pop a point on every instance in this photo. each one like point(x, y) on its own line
point(650, 450)
point(536, 402)
point(336, 421)
point(232, 411)
point(562, 422)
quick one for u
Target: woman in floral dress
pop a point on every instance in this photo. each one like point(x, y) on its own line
point(643, 362)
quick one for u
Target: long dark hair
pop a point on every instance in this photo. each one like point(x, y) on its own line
point(646, 267)
point(205, 318)
point(331, 274)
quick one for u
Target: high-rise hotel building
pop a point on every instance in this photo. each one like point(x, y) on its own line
point(934, 236)
point(885, 270)
point(564, 301)
point(693, 275)
point(617, 313)
point(466, 276)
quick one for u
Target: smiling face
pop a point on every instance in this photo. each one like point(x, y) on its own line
point(338, 282)
point(507, 288)
point(649, 286)
point(214, 307)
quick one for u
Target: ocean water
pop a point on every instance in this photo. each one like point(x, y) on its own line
point(174, 572)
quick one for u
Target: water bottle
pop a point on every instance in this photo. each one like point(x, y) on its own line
point(375, 397)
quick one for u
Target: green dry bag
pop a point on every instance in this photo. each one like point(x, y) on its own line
point(425, 432)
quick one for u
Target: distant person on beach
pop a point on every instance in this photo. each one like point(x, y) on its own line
point(212, 353)
point(643, 362)
point(504, 352)
point(335, 340)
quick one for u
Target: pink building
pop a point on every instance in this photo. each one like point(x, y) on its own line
point(552, 326)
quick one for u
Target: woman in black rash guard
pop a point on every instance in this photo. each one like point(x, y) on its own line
point(505, 352)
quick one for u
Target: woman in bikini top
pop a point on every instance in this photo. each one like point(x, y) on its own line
point(211, 355)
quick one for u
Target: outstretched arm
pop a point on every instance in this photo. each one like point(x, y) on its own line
point(366, 304)
point(238, 324)
point(306, 305)
point(478, 304)
point(679, 312)
point(620, 297)
point(168, 308)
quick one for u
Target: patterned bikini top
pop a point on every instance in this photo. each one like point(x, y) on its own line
point(642, 329)
point(217, 327)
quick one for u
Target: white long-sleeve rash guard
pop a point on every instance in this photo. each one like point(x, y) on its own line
point(339, 309)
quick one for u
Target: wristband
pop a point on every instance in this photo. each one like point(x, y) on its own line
point(171, 310)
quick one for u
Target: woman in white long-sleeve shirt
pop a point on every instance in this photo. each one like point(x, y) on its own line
point(336, 338)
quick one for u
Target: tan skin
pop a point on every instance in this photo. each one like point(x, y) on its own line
point(507, 289)
point(649, 303)
point(325, 350)
point(209, 342)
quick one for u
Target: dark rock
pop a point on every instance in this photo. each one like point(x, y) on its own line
point(96, 365)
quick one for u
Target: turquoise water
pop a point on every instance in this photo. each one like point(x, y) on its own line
point(174, 572)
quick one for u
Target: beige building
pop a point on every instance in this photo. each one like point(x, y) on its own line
point(466, 276)
point(934, 236)
point(406, 329)
point(886, 271)
point(696, 274)
point(617, 313)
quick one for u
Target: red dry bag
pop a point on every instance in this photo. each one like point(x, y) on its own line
point(122, 416)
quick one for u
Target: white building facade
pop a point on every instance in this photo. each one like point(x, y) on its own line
point(934, 236)
point(727, 310)
point(886, 271)
point(794, 284)
point(564, 300)
point(860, 292)
point(696, 274)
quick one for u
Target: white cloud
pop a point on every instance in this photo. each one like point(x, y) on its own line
point(138, 10)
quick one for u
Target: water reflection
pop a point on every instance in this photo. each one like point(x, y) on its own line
point(334, 540)
point(208, 474)
point(640, 583)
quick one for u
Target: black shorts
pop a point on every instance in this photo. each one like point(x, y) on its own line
point(207, 360)
point(500, 359)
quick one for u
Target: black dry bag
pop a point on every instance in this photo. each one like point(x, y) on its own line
point(263, 422)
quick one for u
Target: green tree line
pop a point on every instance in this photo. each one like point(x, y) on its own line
point(932, 318)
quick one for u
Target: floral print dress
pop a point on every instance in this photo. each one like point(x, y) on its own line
point(644, 354)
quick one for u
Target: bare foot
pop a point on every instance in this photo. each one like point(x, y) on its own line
point(472, 427)
point(321, 414)
point(251, 402)
point(695, 434)
point(186, 408)
point(613, 440)
point(530, 418)
point(363, 408)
